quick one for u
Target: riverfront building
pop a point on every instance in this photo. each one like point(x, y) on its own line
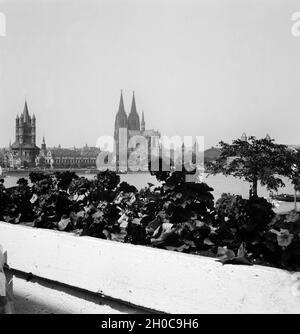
point(133, 127)
point(58, 157)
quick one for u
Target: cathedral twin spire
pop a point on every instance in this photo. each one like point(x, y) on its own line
point(121, 105)
point(132, 122)
point(133, 118)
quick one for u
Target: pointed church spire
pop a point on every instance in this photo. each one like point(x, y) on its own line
point(133, 105)
point(43, 146)
point(143, 125)
point(25, 112)
point(133, 118)
point(121, 104)
point(121, 118)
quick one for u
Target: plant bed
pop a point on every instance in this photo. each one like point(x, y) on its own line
point(152, 278)
point(178, 215)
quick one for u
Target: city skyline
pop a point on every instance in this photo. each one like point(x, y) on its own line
point(140, 117)
point(239, 63)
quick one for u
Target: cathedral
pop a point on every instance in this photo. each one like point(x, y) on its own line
point(133, 125)
point(23, 151)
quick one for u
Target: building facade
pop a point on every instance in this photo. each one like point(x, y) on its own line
point(67, 158)
point(133, 127)
point(23, 151)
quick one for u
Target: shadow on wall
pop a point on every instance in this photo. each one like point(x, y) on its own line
point(34, 295)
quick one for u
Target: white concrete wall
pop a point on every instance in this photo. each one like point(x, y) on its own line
point(157, 279)
point(38, 296)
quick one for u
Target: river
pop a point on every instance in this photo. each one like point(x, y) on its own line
point(219, 183)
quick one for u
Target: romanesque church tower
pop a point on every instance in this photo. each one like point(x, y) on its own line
point(24, 149)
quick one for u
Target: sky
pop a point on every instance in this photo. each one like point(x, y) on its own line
point(212, 68)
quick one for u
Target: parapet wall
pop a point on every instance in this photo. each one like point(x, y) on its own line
point(155, 279)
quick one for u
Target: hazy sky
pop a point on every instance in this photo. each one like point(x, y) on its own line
point(214, 68)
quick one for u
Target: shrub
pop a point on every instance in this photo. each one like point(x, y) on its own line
point(177, 215)
point(182, 212)
point(282, 241)
point(242, 221)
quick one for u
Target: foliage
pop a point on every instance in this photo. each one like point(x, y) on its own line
point(4, 199)
point(254, 160)
point(282, 241)
point(295, 168)
point(268, 238)
point(64, 179)
point(242, 221)
point(37, 176)
point(177, 215)
point(15, 203)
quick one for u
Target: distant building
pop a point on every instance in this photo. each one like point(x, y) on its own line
point(24, 151)
point(294, 147)
point(67, 158)
point(134, 127)
point(2, 158)
point(244, 137)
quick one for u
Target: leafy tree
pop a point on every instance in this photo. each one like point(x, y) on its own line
point(295, 168)
point(295, 171)
point(254, 160)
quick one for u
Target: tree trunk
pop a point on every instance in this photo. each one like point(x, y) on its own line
point(254, 187)
point(295, 200)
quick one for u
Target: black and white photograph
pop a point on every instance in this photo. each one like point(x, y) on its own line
point(149, 159)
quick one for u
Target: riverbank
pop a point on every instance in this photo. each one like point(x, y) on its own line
point(79, 171)
point(10, 172)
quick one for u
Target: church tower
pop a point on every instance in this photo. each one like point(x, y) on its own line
point(17, 128)
point(24, 148)
point(133, 118)
point(121, 118)
point(43, 147)
point(33, 131)
point(133, 127)
point(26, 128)
point(143, 125)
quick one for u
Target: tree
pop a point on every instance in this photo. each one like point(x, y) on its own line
point(254, 160)
point(295, 173)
